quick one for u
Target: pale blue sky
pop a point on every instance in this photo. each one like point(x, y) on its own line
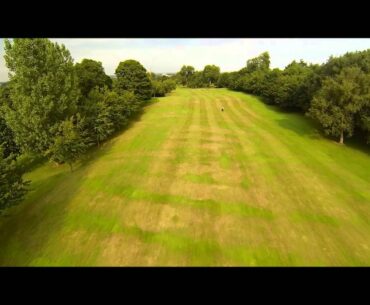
point(168, 55)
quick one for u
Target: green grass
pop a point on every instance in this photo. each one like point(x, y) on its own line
point(203, 178)
point(189, 185)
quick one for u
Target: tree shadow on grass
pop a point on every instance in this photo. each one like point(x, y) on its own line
point(29, 227)
point(302, 126)
point(27, 230)
point(307, 127)
point(32, 226)
point(357, 143)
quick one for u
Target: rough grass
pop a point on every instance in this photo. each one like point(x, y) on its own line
point(189, 185)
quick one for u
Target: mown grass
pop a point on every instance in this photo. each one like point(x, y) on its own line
point(186, 184)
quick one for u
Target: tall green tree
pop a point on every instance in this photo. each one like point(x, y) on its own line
point(169, 85)
point(261, 62)
point(132, 76)
point(158, 88)
point(231, 80)
point(223, 80)
point(186, 74)
point(211, 74)
point(98, 123)
point(293, 87)
point(121, 107)
point(335, 65)
point(90, 74)
point(103, 125)
point(107, 111)
point(339, 100)
point(43, 91)
point(197, 80)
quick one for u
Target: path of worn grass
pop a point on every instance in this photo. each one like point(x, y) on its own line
point(188, 184)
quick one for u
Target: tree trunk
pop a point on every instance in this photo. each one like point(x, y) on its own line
point(341, 141)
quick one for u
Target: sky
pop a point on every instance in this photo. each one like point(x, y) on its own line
point(168, 55)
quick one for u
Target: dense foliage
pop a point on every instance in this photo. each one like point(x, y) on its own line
point(185, 75)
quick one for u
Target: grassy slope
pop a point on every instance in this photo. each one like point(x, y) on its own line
point(188, 184)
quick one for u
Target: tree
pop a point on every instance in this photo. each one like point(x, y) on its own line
point(107, 111)
point(185, 74)
point(12, 186)
point(254, 82)
point(69, 144)
point(295, 86)
point(211, 73)
point(90, 74)
point(339, 100)
point(169, 85)
point(261, 62)
point(252, 78)
point(162, 87)
point(132, 76)
point(158, 88)
point(7, 140)
point(224, 80)
point(272, 86)
point(197, 80)
point(232, 80)
point(43, 91)
point(98, 123)
point(311, 83)
point(122, 106)
point(335, 65)
point(6, 134)
point(103, 125)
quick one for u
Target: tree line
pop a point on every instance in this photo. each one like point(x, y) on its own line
point(52, 108)
point(208, 77)
point(336, 93)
